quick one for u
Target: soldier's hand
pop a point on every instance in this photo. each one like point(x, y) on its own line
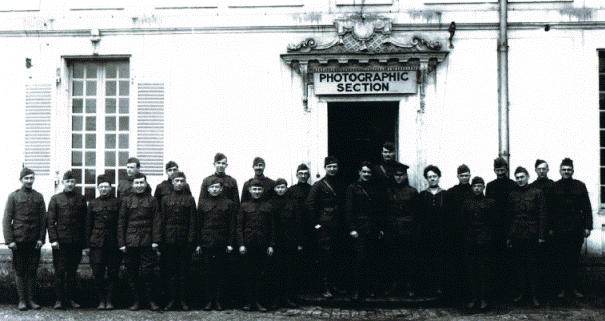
point(85, 252)
point(300, 248)
point(381, 235)
point(242, 250)
point(198, 250)
point(509, 243)
point(229, 249)
point(123, 249)
point(318, 226)
point(55, 245)
point(12, 246)
point(586, 233)
point(540, 241)
point(354, 234)
point(270, 251)
point(156, 248)
point(38, 244)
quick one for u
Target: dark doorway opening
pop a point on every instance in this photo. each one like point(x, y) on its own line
point(356, 132)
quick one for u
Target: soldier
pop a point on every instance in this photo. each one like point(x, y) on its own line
point(323, 206)
point(166, 187)
point(268, 184)
point(288, 243)
point(366, 220)
point(571, 222)
point(178, 237)
point(217, 217)
point(228, 183)
point(478, 224)
point(24, 232)
point(527, 230)
point(401, 233)
point(66, 232)
point(300, 191)
point(256, 239)
point(139, 227)
point(542, 182)
point(383, 172)
point(102, 242)
point(133, 166)
point(432, 212)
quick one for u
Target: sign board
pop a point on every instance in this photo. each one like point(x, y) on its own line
point(365, 82)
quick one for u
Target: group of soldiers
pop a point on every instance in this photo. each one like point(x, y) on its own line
point(378, 235)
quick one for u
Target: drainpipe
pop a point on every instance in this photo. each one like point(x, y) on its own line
point(503, 137)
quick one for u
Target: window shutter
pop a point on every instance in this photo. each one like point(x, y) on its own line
point(38, 101)
point(150, 128)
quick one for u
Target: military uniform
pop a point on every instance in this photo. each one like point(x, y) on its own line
point(570, 215)
point(229, 187)
point(455, 256)
point(268, 186)
point(102, 240)
point(139, 225)
point(365, 214)
point(165, 188)
point(216, 230)
point(401, 235)
point(67, 226)
point(528, 221)
point(178, 236)
point(24, 224)
point(125, 188)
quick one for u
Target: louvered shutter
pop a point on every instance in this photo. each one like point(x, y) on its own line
point(38, 100)
point(150, 127)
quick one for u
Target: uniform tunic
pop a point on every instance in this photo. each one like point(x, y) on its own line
point(165, 188)
point(102, 237)
point(229, 183)
point(268, 187)
point(125, 188)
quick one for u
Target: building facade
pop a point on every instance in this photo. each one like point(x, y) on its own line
point(86, 86)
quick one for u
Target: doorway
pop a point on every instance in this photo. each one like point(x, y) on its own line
point(356, 132)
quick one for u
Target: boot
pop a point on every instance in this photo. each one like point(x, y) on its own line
point(109, 297)
point(259, 307)
point(59, 294)
point(136, 305)
point(218, 297)
point(471, 304)
point(289, 303)
point(327, 294)
point(99, 289)
point(534, 298)
point(149, 294)
point(184, 305)
point(31, 287)
point(21, 292)
point(71, 285)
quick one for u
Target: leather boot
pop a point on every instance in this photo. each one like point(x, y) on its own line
point(59, 294)
point(109, 297)
point(149, 294)
point(71, 285)
point(21, 292)
point(136, 305)
point(31, 290)
point(99, 287)
point(218, 296)
point(184, 305)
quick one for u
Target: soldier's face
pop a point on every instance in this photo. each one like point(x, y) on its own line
point(521, 179)
point(400, 177)
point(139, 185)
point(178, 183)
point(259, 169)
point(365, 174)
point(432, 178)
point(28, 181)
point(303, 175)
point(500, 172)
point(478, 189)
point(131, 169)
point(388, 155)
point(281, 189)
point(331, 169)
point(566, 171)
point(69, 184)
point(256, 192)
point(215, 189)
point(464, 178)
point(104, 189)
point(172, 170)
point(542, 170)
point(221, 165)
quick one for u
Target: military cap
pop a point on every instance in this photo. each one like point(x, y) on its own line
point(330, 160)
point(69, 175)
point(463, 169)
point(540, 161)
point(219, 156)
point(171, 164)
point(177, 174)
point(389, 146)
point(567, 162)
point(140, 175)
point(215, 180)
point(24, 172)
point(258, 160)
point(256, 183)
point(302, 167)
point(500, 162)
point(400, 168)
point(103, 179)
point(521, 169)
point(477, 180)
point(281, 181)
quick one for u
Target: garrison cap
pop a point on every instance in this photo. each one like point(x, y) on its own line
point(215, 180)
point(500, 162)
point(24, 172)
point(177, 174)
point(477, 180)
point(256, 183)
point(258, 160)
point(567, 162)
point(219, 157)
point(463, 169)
point(330, 160)
point(521, 169)
point(281, 181)
point(103, 179)
point(69, 175)
point(540, 161)
point(140, 175)
point(302, 167)
point(400, 168)
point(171, 164)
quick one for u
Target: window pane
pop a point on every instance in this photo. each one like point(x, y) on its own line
point(111, 71)
point(602, 174)
point(602, 157)
point(91, 123)
point(110, 123)
point(602, 120)
point(90, 176)
point(91, 106)
point(78, 189)
point(76, 141)
point(110, 159)
point(110, 141)
point(91, 71)
point(602, 138)
point(91, 158)
point(110, 88)
point(78, 88)
point(76, 158)
point(91, 141)
point(123, 158)
point(602, 194)
point(124, 71)
point(76, 106)
point(601, 82)
point(124, 88)
point(78, 71)
point(110, 105)
point(124, 123)
point(111, 173)
point(124, 105)
point(89, 193)
point(77, 174)
point(76, 122)
point(91, 88)
point(122, 174)
point(123, 141)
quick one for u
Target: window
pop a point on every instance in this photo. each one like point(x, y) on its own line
point(100, 121)
point(602, 120)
